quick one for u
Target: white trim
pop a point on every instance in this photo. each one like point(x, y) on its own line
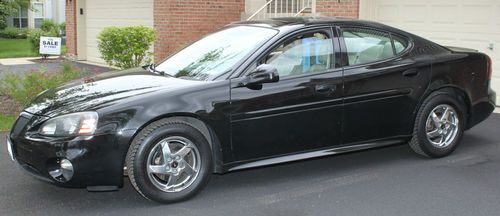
point(81, 31)
point(365, 9)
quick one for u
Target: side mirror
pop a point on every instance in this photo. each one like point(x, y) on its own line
point(264, 73)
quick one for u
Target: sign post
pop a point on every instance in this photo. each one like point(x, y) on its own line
point(50, 46)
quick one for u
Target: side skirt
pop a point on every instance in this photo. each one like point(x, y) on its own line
point(313, 154)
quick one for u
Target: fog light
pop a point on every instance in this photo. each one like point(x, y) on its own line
point(62, 170)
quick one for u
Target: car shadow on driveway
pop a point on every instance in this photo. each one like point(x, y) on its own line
point(298, 188)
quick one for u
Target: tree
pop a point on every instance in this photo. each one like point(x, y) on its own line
point(9, 8)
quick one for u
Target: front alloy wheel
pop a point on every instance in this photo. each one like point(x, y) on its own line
point(173, 164)
point(169, 161)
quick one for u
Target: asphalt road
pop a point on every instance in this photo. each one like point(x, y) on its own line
point(387, 181)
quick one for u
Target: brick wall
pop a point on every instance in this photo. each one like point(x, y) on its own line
point(71, 27)
point(343, 8)
point(178, 22)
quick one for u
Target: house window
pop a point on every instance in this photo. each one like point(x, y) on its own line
point(20, 20)
point(38, 14)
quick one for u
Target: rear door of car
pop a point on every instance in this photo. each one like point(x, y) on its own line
point(383, 82)
point(302, 111)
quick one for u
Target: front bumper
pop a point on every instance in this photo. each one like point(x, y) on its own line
point(96, 160)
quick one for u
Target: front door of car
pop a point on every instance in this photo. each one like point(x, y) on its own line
point(383, 83)
point(300, 112)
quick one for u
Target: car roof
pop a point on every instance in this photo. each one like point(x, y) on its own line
point(288, 21)
point(283, 22)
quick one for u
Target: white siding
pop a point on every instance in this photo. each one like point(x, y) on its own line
point(101, 14)
point(464, 23)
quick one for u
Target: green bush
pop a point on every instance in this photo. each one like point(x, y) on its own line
point(24, 87)
point(35, 34)
point(62, 27)
point(14, 33)
point(48, 25)
point(126, 47)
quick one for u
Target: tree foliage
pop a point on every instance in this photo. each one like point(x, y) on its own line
point(9, 8)
point(126, 47)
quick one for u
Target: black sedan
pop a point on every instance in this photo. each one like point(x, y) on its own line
point(252, 94)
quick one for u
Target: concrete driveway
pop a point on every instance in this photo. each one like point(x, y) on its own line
point(387, 181)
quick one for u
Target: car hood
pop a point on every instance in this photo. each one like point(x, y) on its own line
point(102, 90)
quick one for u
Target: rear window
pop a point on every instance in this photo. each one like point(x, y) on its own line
point(368, 45)
point(400, 44)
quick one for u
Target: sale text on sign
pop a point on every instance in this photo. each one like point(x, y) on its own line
point(50, 45)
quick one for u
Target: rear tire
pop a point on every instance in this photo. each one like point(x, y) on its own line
point(439, 125)
point(169, 161)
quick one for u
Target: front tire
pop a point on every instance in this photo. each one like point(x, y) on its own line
point(439, 125)
point(169, 161)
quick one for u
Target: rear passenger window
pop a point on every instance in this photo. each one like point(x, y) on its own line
point(400, 44)
point(367, 45)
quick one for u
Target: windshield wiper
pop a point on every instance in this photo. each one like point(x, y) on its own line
point(152, 68)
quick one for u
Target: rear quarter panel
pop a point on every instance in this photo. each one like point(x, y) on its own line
point(466, 71)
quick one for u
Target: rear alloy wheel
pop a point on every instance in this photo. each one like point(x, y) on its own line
point(442, 126)
point(439, 125)
point(169, 161)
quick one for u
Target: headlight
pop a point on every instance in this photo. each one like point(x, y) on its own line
point(84, 123)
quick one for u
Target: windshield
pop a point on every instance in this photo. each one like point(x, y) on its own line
point(216, 53)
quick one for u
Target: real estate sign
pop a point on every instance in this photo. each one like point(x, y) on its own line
point(50, 45)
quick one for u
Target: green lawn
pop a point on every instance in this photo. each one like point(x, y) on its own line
point(6, 121)
point(12, 48)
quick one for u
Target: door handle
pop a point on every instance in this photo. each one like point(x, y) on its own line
point(410, 72)
point(324, 88)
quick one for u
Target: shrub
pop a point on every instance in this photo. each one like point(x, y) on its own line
point(126, 47)
point(48, 25)
point(14, 33)
point(24, 87)
point(62, 27)
point(35, 34)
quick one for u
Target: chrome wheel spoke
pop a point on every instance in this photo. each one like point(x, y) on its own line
point(433, 133)
point(157, 169)
point(188, 169)
point(172, 181)
point(446, 114)
point(183, 151)
point(435, 119)
point(165, 148)
point(441, 140)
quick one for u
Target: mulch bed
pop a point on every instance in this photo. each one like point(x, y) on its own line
point(9, 106)
point(49, 60)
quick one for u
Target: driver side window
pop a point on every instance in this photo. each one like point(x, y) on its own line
point(306, 53)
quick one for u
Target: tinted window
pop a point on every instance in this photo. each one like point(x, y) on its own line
point(400, 44)
point(366, 45)
point(306, 53)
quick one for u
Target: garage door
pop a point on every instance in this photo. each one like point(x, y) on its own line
point(464, 23)
point(106, 13)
